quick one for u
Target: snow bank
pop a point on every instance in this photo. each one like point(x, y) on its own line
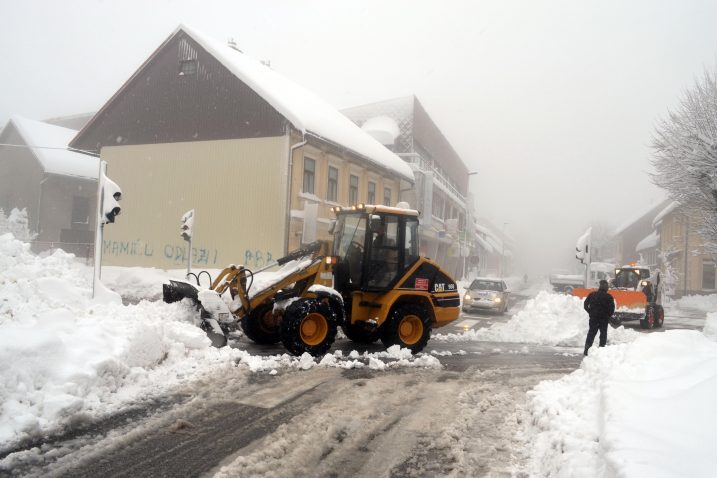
point(136, 283)
point(710, 327)
point(706, 303)
point(548, 319)
point(64, 356)
point(640, 409)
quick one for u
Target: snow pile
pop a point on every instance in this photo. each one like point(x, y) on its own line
point(706, 303)
point(65, 358)
point(136, 283)
point(393, 357)
point(548, 319)
point(640, 409)
point(710, 328)
point(62, 353)
point(16, 224)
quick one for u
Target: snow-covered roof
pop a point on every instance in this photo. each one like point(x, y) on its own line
point(671, 207)
point(382, 128)
point(649, 242)
point(303, 109)
point(637, 218)
point(49, 145)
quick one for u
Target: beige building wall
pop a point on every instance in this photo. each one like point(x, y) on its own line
point(689, 269)
point(236, 187)
point(347, 166)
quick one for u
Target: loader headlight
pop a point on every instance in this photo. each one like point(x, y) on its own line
point(643, 283)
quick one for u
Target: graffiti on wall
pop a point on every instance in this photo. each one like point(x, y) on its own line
point(177, 254)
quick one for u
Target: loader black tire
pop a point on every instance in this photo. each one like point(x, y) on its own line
point(309, 325)
point(359, 334)
point(258, 326)
point(649, 321)
point(409, 326)
point(659, 316)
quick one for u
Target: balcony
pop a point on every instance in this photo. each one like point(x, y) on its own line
point(426, 165)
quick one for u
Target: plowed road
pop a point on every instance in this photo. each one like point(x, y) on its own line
point(461, 420)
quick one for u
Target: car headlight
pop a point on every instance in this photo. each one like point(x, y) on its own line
point(497, 300)
point(467, 297)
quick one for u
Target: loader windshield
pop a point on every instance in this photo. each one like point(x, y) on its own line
point(628, 278)
point(349, 243)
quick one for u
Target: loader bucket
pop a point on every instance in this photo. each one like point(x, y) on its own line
point(178, 290)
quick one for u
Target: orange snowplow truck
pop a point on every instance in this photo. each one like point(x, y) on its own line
point(638, 296)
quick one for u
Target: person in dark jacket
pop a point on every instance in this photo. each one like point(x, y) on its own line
point(600, 306)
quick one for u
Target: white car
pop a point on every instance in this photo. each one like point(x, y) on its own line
point(484, 294)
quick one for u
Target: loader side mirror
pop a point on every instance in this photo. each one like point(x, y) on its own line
point(332, 226)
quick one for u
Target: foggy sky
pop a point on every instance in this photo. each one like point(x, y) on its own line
point(553, 103)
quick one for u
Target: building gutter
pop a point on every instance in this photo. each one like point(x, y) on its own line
point(289, 179)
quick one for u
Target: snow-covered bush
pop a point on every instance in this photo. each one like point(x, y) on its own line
point(16, 224)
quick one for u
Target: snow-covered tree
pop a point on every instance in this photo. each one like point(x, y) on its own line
point(17, 224)
point(685, 156)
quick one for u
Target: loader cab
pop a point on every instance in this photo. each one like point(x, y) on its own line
point(630, 277)
point(374, 246)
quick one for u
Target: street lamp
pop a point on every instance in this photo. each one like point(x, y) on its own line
point(464, 251)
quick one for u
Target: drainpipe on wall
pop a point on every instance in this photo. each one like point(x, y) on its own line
point(291, 150)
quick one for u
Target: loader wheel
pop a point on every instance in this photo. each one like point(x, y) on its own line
point(359, 334)
point(649, 321)
point(659, 316)
point(408, 326)
point(308, 326)
point(260, 325)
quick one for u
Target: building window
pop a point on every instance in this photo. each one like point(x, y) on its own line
point(371, 198)
point(386, 196)
point(187, 67)
point(332, 189)
point(80, 210)
point(309, 173)
point(353, 189)
point(708, 275)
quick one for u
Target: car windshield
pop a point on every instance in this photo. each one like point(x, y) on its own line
point(486, 285)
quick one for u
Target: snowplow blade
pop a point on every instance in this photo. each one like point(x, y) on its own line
point(178, 290)
point(629, 299)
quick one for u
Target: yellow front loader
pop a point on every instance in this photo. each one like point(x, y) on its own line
point(370, 281)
